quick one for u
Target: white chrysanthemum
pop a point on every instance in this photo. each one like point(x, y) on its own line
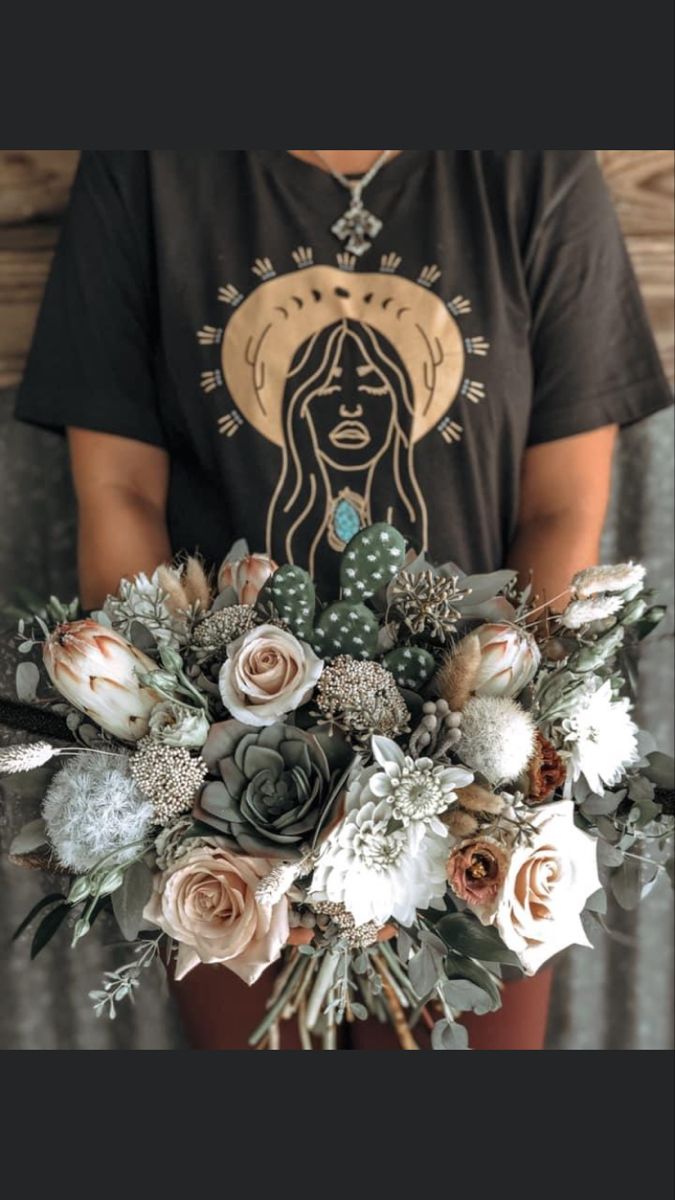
point(617, 578)
point(93, 808)
point(142, 599)
point(497, 737)
point(595, 608)
point(378, 873)
point(601, 738)
point(416, 789)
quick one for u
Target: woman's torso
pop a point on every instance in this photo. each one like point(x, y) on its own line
point(304, 391)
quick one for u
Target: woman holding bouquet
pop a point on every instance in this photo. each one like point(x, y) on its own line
point(289, 345)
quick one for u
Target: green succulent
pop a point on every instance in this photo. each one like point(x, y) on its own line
point(275, 787)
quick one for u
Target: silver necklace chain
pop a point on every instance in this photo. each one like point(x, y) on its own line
point(356, 225)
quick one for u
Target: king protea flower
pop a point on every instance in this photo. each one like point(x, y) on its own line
point(509, 659)
point(96, 671)
point(246, 575)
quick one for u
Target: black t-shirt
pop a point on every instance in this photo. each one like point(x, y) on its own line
point(200, 302)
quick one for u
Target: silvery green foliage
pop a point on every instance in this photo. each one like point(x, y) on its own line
point(93, 809)
point(141, 601)
point(175, 724)
point(119, 984)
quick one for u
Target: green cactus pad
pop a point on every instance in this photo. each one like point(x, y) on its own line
point(346, 628)
point(372, 558)
point(411, 666)
point(291, 593)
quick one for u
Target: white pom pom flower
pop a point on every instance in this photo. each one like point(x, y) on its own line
point(92, 809)
point(497, 737)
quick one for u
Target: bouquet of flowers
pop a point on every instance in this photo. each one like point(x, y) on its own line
point(387, 799)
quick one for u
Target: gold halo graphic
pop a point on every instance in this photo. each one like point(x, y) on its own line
point(266, 330)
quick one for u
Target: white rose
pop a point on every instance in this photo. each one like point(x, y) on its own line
point(207, 901)
point(546, 888)
point(268, 673)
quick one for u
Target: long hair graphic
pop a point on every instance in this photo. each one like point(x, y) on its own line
point(345, 375)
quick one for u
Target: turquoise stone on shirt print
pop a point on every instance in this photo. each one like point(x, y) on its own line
point(346, 521)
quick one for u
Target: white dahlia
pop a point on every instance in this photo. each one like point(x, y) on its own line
point(601, 738)
point(416, 789)
point(378, 872)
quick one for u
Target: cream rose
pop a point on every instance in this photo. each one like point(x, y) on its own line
point(546, 888)
point(267, 674)
point(207, 901)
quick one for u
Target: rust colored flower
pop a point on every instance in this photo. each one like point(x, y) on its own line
point(476, 872)
point(546, 770)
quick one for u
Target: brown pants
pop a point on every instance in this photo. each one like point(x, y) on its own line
point(219, 1012)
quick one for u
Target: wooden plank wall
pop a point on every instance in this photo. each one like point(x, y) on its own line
point(34, 187)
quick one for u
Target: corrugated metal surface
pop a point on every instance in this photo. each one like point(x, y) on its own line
point(620, 997)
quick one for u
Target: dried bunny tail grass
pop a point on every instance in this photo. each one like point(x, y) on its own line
point(460, 824)
point(456, 676)
point(196, 584)
point(618, 577)
point(478, 799)
point(28, 757)
point(170, 581)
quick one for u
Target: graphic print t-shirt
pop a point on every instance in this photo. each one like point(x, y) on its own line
point(200, 302)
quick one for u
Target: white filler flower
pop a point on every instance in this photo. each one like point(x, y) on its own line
point(601, 738)
point(416, 789)
point(377, 872)
point(93, 808)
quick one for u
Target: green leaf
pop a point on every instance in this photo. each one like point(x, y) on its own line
point(601, 806)
point(626, 883)
point(131, 898)
point(47, 928)
point(661, 770)
point(467, 936)
point(29, 838)
point(52, 898)
point(424, 970)
point(457, 967)
point(465, 996)
point(27, 679)
point(447, 1035)
point(359, 1011)
point(597, 903)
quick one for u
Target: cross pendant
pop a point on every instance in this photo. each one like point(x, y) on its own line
point(356, 226)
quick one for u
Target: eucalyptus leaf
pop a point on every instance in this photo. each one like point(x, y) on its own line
point(27, 680)
point(597, 903)
point(626, 883)
point(130, 899)
point(423, 971)
point(467, 936)
point(661, 770)
point(404, 944)
point(609, 856)
point(457, 967)
point(447, 1035)
point(33, 835)
point(601, 806)
point(465, 996)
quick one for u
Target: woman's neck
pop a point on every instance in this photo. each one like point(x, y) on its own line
point(349, 162)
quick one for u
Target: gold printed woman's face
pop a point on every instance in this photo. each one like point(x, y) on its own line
point(351, 412)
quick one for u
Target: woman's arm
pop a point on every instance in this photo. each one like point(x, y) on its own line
point(121, 488)
point(563, 501)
